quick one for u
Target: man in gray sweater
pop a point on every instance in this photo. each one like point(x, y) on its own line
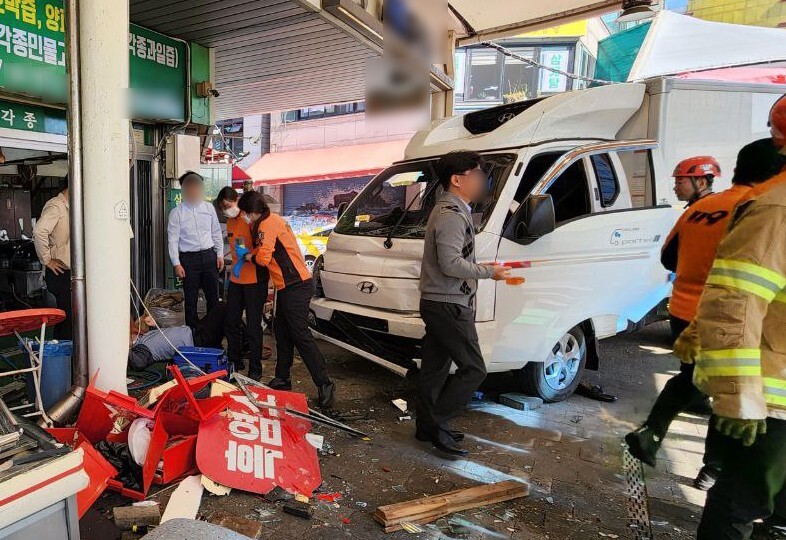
point(448, 283)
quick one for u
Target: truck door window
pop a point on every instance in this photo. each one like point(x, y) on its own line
point(535, 170)
point(608, 185)
point(570, 193)
point(637, 168)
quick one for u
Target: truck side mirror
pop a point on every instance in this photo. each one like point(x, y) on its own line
point(538, 218)
point(341, 209)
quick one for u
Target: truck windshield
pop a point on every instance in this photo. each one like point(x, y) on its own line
point(410, 190)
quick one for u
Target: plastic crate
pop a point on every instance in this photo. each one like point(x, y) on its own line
point(208, 360)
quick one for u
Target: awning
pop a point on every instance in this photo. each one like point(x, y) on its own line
point(678, 44)
point(239, 175)
point(492, 19)
point(325, 163)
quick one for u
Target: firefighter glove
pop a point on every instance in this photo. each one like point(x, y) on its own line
point(744, 430)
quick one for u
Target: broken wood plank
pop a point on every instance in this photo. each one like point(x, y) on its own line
point(429, 509)
point(128, 516)
point(244, 526)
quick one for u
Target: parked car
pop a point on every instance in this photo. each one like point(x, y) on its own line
point(580, 203)
point(313, 244)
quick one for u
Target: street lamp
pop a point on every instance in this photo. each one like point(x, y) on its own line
point(636, 10)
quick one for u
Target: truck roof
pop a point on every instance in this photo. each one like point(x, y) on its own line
point(594, 113)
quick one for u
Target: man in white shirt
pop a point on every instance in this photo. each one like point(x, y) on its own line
point(196, 246)
point(52, 239)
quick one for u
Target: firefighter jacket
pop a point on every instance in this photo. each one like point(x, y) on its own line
point(690, 247)
point(741, 320)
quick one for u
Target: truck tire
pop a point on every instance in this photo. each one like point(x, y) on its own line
point(557, 378)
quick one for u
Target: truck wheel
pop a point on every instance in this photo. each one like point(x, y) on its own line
point(557, 378)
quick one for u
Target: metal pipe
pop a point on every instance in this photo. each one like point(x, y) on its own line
point(61, 412)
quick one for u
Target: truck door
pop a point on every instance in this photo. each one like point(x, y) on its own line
point(596, 265)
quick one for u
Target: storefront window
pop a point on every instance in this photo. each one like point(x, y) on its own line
point(520, 80)
point(485, 75)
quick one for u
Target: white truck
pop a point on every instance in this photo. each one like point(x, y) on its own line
point(580, 203)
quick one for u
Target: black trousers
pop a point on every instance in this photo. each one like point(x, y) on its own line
point(60, 287)
point(201, 273)
point(450, 336)
point(292, 330)
point(751, 485)
point(251, 299)
point(678, 394)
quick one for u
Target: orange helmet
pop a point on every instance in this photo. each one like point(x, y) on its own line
point(778, 122)
point(698, 167)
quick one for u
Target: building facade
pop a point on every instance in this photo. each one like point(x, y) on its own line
point(485, 77)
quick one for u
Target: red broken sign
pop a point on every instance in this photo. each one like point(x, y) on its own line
point(258, 448)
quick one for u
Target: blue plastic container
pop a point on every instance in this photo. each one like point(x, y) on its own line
point(208, 360)
point(55, 372)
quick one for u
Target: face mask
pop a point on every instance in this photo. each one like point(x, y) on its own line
point(232, 212)
point(246, 218)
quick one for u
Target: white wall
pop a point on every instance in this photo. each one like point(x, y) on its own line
point(347, 130)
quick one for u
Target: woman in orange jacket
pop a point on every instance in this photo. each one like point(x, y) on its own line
point(247, 289)
point(276, 248)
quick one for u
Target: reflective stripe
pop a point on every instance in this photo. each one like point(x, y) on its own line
point(733, 371)
point(731, 363)
point(765, 273)
point(781, 297)
point(743, 285)
point(775, 384)
point(775, 400)
point(747, 276)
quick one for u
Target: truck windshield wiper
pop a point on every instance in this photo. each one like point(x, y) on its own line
point(388, 243)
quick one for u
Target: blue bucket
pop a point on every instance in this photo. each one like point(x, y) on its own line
point(55, 372)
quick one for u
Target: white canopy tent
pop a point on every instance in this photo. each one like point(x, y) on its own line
point(678, 44)
point(492, 19)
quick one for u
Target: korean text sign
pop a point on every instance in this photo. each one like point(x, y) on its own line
point(256, 449)
point(33, 57)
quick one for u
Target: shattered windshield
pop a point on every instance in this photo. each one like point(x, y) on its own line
point(399, 200)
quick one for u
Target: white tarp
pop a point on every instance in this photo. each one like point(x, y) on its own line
point(679, 44)
point(492, 19)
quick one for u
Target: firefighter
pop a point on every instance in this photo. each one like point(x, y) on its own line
point(739, 347)
point(693, 178)
point(689, 251)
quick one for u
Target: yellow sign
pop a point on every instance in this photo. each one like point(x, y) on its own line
point(574, 29)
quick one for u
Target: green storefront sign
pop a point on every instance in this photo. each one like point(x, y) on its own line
point(32, 60)
point(32, 118)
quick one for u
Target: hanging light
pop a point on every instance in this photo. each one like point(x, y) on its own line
point(636, 10)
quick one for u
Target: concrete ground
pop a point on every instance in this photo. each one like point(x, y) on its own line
point(571, 453)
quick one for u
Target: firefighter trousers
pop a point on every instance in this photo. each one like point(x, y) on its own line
point(750, 486)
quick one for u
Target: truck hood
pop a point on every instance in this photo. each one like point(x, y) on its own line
point(359, 270)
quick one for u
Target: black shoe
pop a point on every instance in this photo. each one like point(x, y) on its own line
point(256, 375)
point(327, 395)
point(239, 365)
point(643, 445)
point(280, 384)
point(445, 444)
point(706, 478)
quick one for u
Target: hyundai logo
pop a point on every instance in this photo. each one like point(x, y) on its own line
point(367, 287)
point(507, 116)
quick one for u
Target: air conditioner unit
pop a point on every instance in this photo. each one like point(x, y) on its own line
point(182, 154)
